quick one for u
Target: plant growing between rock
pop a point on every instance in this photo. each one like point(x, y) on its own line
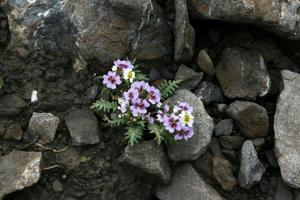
point(132, 102)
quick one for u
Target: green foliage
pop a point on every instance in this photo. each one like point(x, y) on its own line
point(105, 106)
point(168, 87)
point(134, 133)
point(115, 121)
point(15, 42)
point(140, 77)
point(160, 134)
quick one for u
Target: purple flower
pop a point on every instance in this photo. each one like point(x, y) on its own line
point(166, 108)
point(139, 107)
point(184, 133)
point(123, 64)
point(183, 106)
point(171, 123)
point(111, 80)
point(123, 105)
point(140, 85)
point(160, 116)
point(131, 94)
point(154, 95)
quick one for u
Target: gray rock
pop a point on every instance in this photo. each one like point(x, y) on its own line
point(11, 105)
point(86, 30)
point(14, 132)
point(222, 107)
point(205, 63)
point(209, 93)
point(187, 184)
point(222, 171)
point(297, 194)
point(19, 169)
point(147, 159)
point(251, 118)
point(184, 34)
point(247, 68)
point(287, 129)
point(83, 127)
point(277, 16)
point(224, 127)
point(231, 142)
point(44, 126)
point(251, 169)
point(203, 128)
point(190, 79)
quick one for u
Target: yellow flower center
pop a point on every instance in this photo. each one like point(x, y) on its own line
point(186, 118)
point(130, 75)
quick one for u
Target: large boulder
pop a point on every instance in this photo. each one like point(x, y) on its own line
point(247, 68)
point(19, 169)
point(187, 184)
point(87, 30)
point(287, 129)
point(276, 15)
point(149, 160)
point(11, 105)
point(203, 128)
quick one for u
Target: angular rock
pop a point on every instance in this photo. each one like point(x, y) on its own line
point(287, 129)
point(14, 132)
point(205, 63)
point(222, 171)
point(184, 34)
point(247, 68)
point(209, 93)
point(11, 105)
point(190, 79)
point(83, 127)
point(19, 169)
point(149, 160)
point(43, 126)
point(86, 30)
point(187, 184)
point(251, 169)
point(203, 128)
point(231, 142)
point(224, 127)
point(251, 118)
point(277, 16)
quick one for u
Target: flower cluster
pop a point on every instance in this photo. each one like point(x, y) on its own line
point(140, 104)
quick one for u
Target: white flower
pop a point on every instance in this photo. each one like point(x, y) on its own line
point(129, 75)
point(34, 96)
point(159, 105)
point(123, 104)
point(186, 118)
point(114, 68)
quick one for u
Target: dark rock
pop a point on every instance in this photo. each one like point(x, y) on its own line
point(93, 92)
point(11, 105)
point(231, 142)
point(247, 68)
point(271, 158)
point(205, 63)
point(14, 132)
point(187, 184)
point(224, 127)
point(147, 159)
point(277, 16)
point(154, 75)
point(258, 143)
point(222, 171)
point(282, 191)
point(83, 127)
point(251, 169)
point(57, 186)
point(215, 148)
point(209, 93)
point(287, 129)
point(184, 34)
point(229, 154)
point(251, 118)
point(19, 169)
point(43, 126)
point(203, 128)
point(204, 164)
point(190, 79)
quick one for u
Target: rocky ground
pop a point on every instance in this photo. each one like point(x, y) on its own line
point(240, 71)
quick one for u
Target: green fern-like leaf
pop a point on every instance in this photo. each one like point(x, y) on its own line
point(105, 106)
point(115, 121)
point(157, 130)
point(168, 87)
point(139, 76)
point(134, 133)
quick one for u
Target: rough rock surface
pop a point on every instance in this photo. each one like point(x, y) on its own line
point(86, 30)
point(11, 105)
point(184, 34)
point(205, 63)
point(209, 93)
point(276, 15)
point(287, 129)
point(19, 169)
point(83, 127)
point(203, 128)
point(190, 79)
point(251, 169)
point(149, 160)
point(43, 126)
point(14, 132)
point(187, 184)
point(231, 142)
point(247, 68)
point(251, 118)
point(224, 127)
